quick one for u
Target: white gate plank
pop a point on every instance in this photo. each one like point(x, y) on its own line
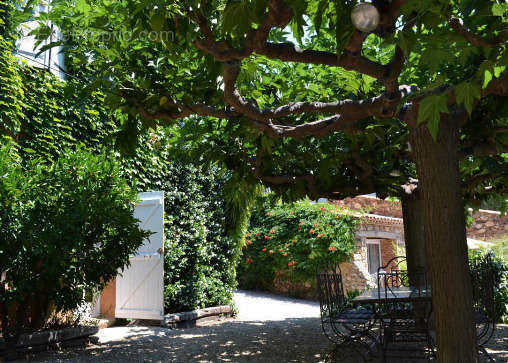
point(139, 289)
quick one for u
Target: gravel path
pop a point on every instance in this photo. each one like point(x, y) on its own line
point(268, 328)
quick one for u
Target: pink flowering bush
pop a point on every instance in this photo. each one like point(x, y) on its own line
point(294, 239)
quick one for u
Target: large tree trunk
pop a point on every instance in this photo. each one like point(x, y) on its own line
point(414, 236)
point(445, 232)
point(416, 252)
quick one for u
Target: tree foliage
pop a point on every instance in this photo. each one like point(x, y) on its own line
point(278, 109)
point(290, 117)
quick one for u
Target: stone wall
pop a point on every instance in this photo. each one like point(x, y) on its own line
point(286, 284)
point(488, 225)
point(388, 251)
point(355, 274)
point(390, 233)
point(372, 205)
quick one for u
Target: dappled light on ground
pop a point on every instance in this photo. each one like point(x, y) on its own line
point(246, 339)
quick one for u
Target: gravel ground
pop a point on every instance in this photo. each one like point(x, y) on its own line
point(268, 328)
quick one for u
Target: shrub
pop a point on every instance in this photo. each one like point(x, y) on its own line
point(293, 240)
point(500, 248)
point(66, 228)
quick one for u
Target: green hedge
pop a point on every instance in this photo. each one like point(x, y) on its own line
point(200, 256)
point(293, 240)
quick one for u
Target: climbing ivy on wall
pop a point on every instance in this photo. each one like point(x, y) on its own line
point(11, 94)
point(6, 12)
point(57, 118)
point(11, 88)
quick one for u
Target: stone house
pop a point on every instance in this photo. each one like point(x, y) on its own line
point(380, 236)
point(378, 240)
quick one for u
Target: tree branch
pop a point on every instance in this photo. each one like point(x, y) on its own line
point(348, 112)
point(484, 150)
point(476, 180)
point(497, 86)
point(314, 192)
point(181, 111)
point(457, 25)
point(394, 69)
point(279, 15)
point(350, 61)
point(362, 173)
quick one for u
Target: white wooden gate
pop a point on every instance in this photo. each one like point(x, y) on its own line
point(139, 288)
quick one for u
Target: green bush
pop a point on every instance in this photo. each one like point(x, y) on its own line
point(500, 248)
point(66, 228)
point(500, 282)
point(198, 264)
point(293, 240)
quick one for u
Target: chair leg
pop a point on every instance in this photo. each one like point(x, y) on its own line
point(431, 345)
point(373, 341)
point(386, 339)
point(482, 349)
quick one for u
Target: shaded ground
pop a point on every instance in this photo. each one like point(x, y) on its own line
point(268, 328)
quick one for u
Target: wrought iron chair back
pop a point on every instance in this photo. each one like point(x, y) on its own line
point(332, 299)
point(339, 320)
point(483, 278)
point(404, 310)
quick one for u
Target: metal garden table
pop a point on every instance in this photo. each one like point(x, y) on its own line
point(394, 294)
point(376, 297)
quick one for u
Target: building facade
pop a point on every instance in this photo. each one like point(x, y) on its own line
point(27, 49)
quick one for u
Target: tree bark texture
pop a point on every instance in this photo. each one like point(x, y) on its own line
point(414, 236)
point(445, 232)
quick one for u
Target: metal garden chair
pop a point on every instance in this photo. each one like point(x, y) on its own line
point(483, 278)
point(341, 322)
point(404, 310)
